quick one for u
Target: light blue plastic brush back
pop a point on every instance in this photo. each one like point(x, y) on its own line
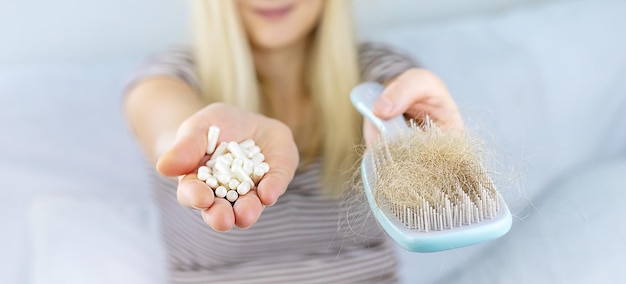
point(363, 97)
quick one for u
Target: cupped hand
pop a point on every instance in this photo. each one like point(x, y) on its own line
point(189, 152)
point(416, 93)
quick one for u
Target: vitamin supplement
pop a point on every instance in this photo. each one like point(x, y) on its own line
point(232, 195)
point(222, 166)
point(214, 133)
point(243, 188)
point(253, 151)
point(233, 168)
point(223, 178)
point(265, 167)
point(237, 152)
point(211, 181)
point(258, 158)
point(242, 176)
point(203, 176)
point(233, 184)
point(221, 191)
point(247, 144)
point(221, 149)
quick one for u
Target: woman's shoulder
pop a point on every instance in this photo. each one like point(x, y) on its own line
point(372, 45)
point(380, 62)
point(175, 54)
point(375, 50)
point(177, 61)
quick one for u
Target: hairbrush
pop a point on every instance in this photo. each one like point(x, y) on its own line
point(456, 208)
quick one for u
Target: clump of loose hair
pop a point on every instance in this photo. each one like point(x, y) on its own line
point(433, 179)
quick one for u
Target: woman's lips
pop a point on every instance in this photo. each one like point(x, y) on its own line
point(275, 13)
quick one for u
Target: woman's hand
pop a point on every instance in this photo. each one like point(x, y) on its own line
point(189, 151)
point(415, 93)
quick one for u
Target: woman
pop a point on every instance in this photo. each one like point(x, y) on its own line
point(279, 72)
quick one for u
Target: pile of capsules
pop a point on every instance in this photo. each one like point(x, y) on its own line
point(234, 168)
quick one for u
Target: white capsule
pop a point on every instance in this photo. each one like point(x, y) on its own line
point(259, 171)
point(244, 151)
point(242, 176)
point(203, 175)
point(226, 159)
point(258, 158)
point(234, 148)
point(211, 181)
point(236, 163)
point(221, 149)
point(223, 178)
point(247, 144)
point(248, 167)
point(253, 151)
point(251, 184)
point(214, 134)
point(232, 195)
point(204, 169)
point(221, 191)
point(243, 188)
point(233, 183)
point(257, 174)
point(222, 167)
point(264, 166)
point(211, 163)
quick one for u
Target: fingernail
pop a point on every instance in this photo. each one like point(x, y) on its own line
point(383, 106)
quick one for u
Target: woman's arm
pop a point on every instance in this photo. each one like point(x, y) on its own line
point(162, 93)
point(171, 121)
point(155, 107)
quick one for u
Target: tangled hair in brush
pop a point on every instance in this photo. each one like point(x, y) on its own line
point(442, 178)
point(426, 162)
point(432, 179)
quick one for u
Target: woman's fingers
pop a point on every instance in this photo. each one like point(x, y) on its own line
point(282, 156)
point(218, 212)
point(417, 93)
point(273, 185)
point(220, 216)
point(415, 86)
point(223, 216)
point(188, 149)
point(248, 209)
point(191, 138)
point(194, 193)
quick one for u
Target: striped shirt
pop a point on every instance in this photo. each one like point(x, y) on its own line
point(306, 237)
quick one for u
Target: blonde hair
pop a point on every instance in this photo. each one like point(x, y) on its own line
point(227, 74)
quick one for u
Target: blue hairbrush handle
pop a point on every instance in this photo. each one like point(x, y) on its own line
point(363, 97)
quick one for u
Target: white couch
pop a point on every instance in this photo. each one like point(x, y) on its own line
point(545, 83)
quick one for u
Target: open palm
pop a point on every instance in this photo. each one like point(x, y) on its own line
point(236, 124)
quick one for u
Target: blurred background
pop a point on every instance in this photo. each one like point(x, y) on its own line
point(543, 80)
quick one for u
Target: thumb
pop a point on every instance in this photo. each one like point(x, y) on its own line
point(186, 153)
point(394, 100)
point(411, 87)
point(383, 107)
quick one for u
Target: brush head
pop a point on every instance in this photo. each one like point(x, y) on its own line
point(437, 176)
point(426, 188)
point(397, 220)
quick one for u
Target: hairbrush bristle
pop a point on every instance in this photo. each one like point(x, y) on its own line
point(433, 180)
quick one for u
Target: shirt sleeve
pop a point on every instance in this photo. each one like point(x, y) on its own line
point(379, 62)
point(176, 62)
